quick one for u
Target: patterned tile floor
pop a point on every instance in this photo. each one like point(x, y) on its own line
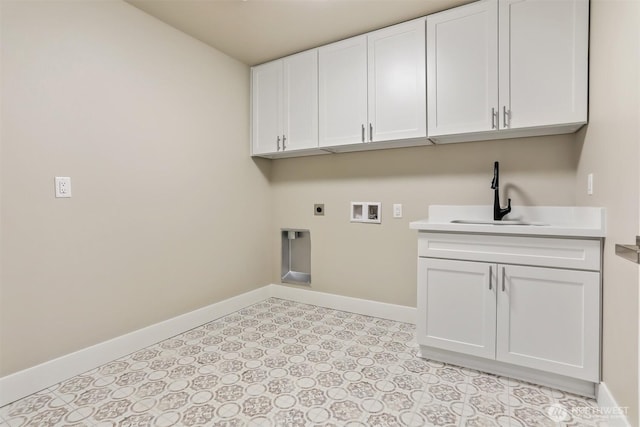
point(282, 363)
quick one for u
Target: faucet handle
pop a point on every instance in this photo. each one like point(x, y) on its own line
point(506, 210)
point(503, 211)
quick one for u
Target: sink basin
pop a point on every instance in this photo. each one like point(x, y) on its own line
point(503, 222)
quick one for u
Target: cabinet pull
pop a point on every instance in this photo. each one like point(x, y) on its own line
point(504, 115)
point(490, 276)
point(284, 139)
point(503, 279)
point(362, 133)
point(493, 118)
point(370, 132)
point(278, 143)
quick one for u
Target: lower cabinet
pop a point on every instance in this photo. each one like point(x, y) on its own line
point(457, 306)
point(547, 319)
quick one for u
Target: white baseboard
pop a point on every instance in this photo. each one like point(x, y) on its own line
point(399, 313)
point(32, 380)
point(39, 377)
point(608, 405)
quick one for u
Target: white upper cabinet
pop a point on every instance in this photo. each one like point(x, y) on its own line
point(301, 101)
point(543, 62)
point(372, 87)
point(266, 94)
point(285, 104)
point(487, 70)
point(343, 92)
point(397, 82)
point(462, 64)
point(507, 68)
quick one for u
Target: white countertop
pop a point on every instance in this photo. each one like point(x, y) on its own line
point(562, 221)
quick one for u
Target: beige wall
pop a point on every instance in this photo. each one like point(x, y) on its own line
point(608, 148)
point(169, 213)
point(378, 262)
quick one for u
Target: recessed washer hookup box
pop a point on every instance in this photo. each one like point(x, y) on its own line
point(296, 256)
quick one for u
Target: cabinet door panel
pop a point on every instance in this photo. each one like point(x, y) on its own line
point(462, 69)
point(397, 82)
point(266, 107)
point(301, 100)
point(543, 62)
point(343, 91)
point(457, 310)
point(548, 319)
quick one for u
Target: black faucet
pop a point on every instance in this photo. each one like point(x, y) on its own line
point(498, 212)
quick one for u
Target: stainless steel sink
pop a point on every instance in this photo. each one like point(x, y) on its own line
point(503, 222)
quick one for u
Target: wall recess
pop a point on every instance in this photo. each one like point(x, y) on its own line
point(366, 212)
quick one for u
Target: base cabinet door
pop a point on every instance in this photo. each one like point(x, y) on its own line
point(548, 319)
point(457, 306)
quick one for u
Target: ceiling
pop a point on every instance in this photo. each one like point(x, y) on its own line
point(256, 31)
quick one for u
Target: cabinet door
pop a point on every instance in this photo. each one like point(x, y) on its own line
point(300, 121)
point(462, 69)
point(266, 107)
point(549, 319)
point(543, 62)
point(343, 92)
point(457, 306)
point(397, 82)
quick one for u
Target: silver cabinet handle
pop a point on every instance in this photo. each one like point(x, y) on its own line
point(362, 133)
point(284, 139)
point(278, 143)
point(490, 276)
point(493, 118)
point(503, 280)
point(370, 132)
point(504, 115)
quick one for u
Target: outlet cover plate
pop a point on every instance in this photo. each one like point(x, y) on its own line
point(397, 210)
point(63, 186)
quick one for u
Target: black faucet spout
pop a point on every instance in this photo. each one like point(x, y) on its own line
point(498, 212)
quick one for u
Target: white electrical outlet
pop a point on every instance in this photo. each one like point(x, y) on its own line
point(397, 210)
point(590, 184)
point(63, 186)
